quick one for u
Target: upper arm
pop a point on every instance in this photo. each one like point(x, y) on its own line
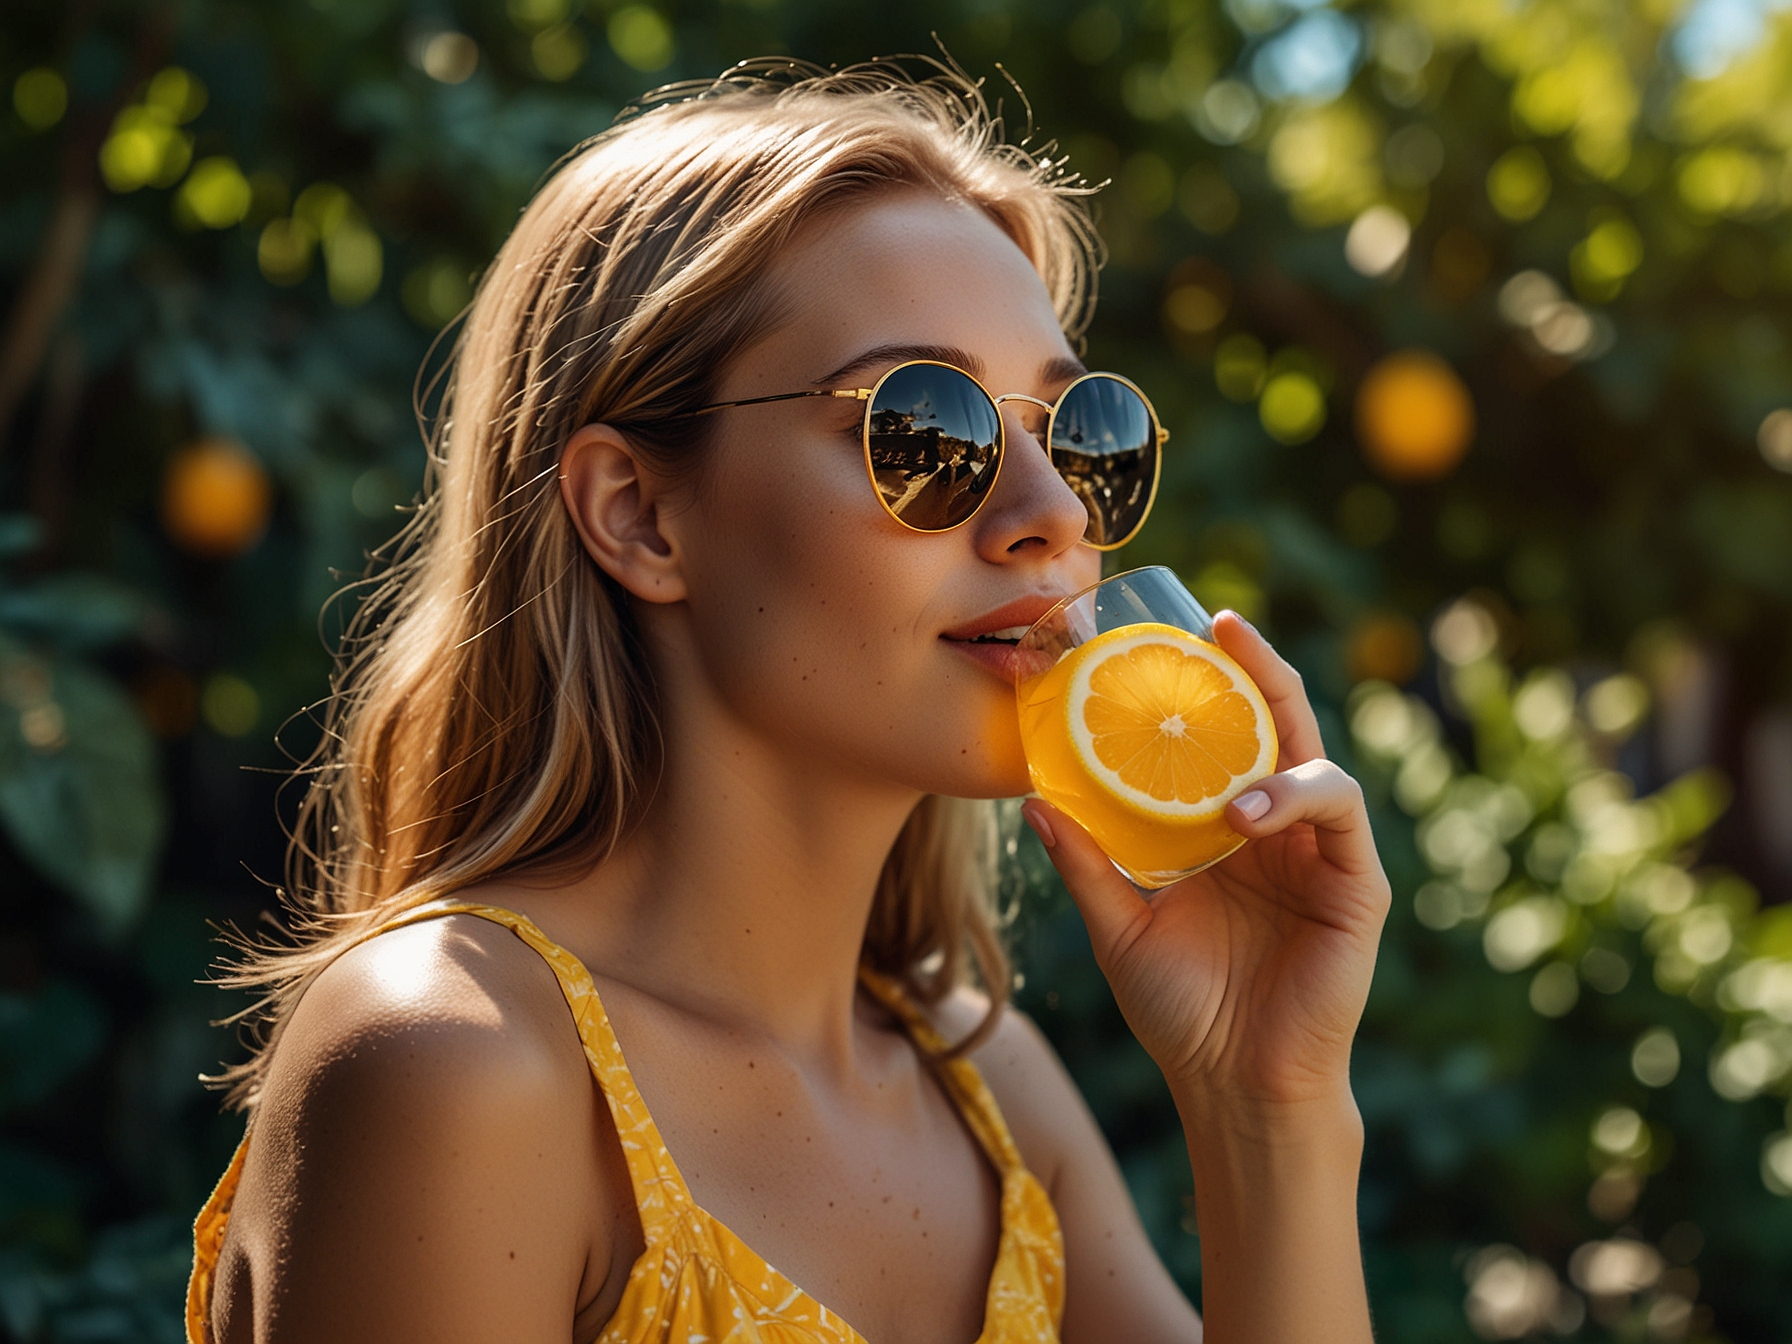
point(1116, 1287)
point(415, 1166)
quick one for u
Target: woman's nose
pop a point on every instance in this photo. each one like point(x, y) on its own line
point(1032, 509)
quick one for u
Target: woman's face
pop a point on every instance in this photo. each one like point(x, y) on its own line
point(818, 620)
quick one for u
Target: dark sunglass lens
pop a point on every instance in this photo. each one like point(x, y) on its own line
point(1104, 445)
point(934, 441)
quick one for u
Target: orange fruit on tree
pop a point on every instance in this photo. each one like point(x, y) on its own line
point(1414, 416)
point(215, 498)
point(1385, 646)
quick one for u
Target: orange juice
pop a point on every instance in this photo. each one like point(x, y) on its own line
point(1143, 735)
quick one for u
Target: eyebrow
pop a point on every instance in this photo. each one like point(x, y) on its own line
point(1059, 369)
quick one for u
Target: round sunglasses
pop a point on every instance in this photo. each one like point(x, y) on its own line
point(934, 443)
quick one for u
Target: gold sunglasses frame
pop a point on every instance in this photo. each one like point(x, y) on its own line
point(868, 395)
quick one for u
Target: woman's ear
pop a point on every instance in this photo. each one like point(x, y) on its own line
point(615, 503)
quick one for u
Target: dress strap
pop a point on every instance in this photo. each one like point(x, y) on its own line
point(963, 1080)
point(661, 1195)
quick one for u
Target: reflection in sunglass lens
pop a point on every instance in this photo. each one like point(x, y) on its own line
point(934, 440)
point(1104, 445)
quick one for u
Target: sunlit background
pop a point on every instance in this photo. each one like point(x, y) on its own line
point(1470, 319)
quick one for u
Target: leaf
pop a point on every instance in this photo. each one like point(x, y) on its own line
point(73, 611)
point(80, 795)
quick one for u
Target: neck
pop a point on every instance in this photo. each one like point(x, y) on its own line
point(744, 893)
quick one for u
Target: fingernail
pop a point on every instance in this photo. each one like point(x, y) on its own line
point(1041, 827)
point(1254, 804)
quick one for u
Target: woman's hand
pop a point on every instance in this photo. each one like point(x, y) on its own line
point(1246, 981)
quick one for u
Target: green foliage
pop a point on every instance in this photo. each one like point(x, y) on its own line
point(80, 793)
point(1587, 891)
point(247, 223)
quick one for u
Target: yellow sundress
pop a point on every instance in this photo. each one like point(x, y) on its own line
point(697, 1282)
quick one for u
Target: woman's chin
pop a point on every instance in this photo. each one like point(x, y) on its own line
point(1001, 774)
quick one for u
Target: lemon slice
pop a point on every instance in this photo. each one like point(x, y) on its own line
point(1168, 723)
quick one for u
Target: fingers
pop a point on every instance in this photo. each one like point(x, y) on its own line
point(1320, 794)
point(1112, 908)
point(1296, 727)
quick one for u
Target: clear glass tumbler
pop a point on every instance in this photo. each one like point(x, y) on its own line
point(1138, 726)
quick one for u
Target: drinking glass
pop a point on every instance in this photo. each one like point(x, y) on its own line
point(1138, 726)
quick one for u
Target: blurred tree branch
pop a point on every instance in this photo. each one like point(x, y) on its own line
point(62, 252)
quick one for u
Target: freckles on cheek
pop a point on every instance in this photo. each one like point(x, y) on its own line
point(793, 552)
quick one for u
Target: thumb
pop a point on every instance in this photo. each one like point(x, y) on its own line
point(1111, 906)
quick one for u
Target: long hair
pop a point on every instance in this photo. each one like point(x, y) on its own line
point(492, 707)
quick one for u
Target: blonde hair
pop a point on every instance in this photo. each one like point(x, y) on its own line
point(492, 707)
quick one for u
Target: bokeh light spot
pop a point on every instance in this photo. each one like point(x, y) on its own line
point(215, 195)
point(1414, 416)
point(435, 292)
point(1775, 439)
point(1414, 156)
point(1614, 705)
point(1776, 1163)
point(559, 53)
point(215, 498)
point(532, 16)
point(1229, 112)
point(1555, 989)
point(1465, 633)
point(1377, 241)
point(40, 97)
point(145, 148)
point(641, 37)
point(449, 57)
point(1384, 646)
point(1239, 367)
point(1518, 183)
point(1223, 584)
point(1722, 180)
point(354, 262)
point(1523, 931)
point(284, 250)
point(230, 705)
point(177, 92)
point(1194, 308)
point(168, 700)
point(1655, 1058)
point(1292, 409)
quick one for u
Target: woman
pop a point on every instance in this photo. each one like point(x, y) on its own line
point(659, 717)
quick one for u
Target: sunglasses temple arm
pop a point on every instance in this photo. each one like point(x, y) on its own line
point(850, 393)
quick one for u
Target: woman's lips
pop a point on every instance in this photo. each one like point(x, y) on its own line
point(989, 640)
point(994, 655)
point(1013, 617)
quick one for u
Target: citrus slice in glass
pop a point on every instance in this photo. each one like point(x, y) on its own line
point(1167, 723)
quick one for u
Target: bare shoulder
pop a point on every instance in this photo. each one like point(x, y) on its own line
point(1038, 1099)
point(422, 1156)
point(422, 1028)
point(456, 993)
